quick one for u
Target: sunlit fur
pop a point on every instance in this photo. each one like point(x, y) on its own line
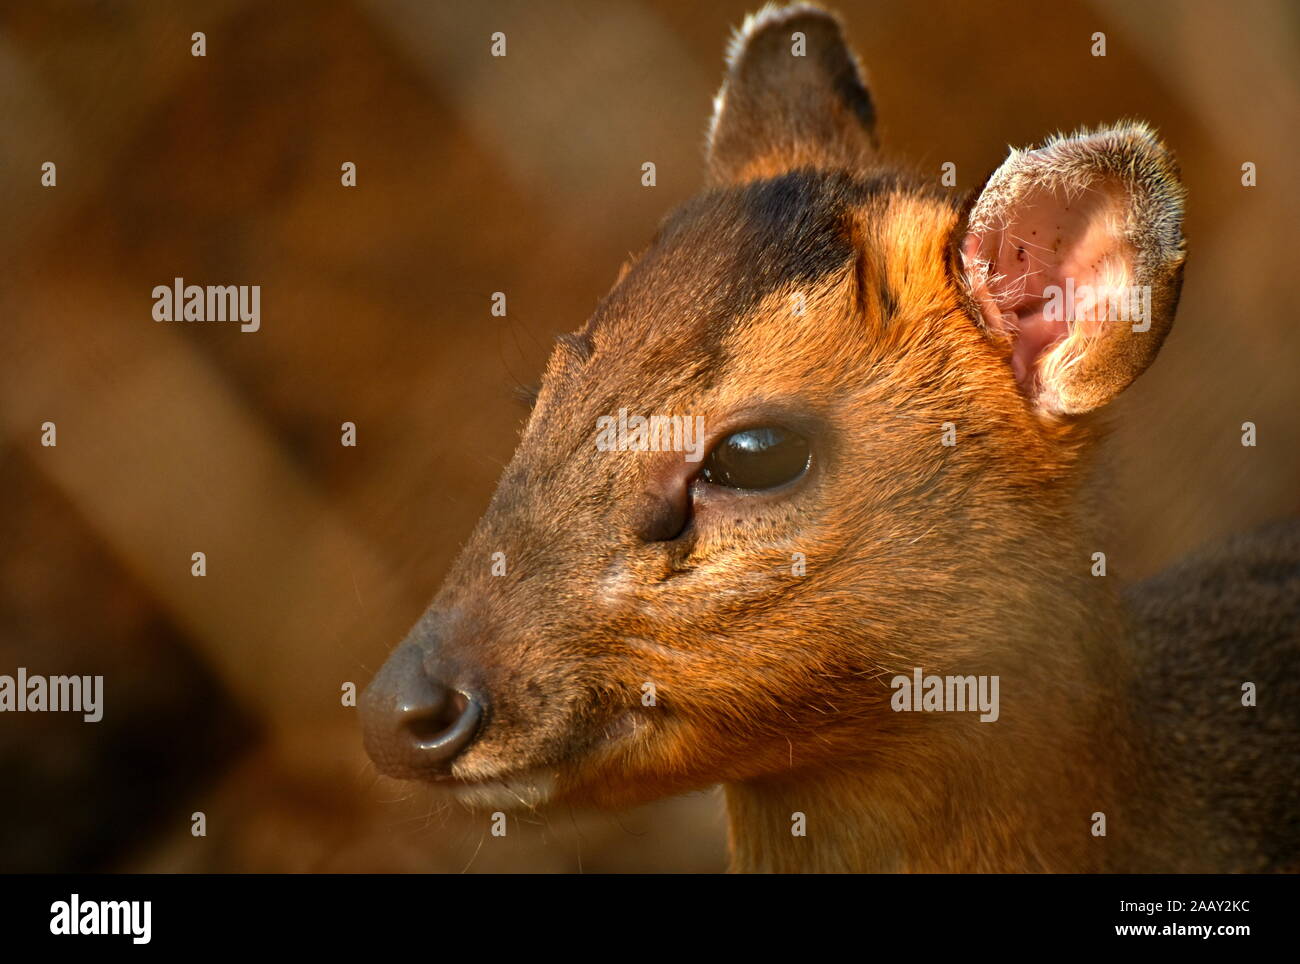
point(973, 558)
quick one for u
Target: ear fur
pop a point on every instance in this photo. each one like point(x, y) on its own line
point(1073, 253)
point(793, 97)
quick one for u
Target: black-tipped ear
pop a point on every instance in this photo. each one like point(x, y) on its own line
point(793, 97)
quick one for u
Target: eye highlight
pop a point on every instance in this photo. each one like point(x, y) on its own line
point(757, 458)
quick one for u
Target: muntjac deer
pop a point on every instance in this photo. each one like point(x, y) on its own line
point(806, 509)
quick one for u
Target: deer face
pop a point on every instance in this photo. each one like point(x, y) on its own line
point(866, 413)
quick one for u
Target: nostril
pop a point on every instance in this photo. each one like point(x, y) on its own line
point(430, 721)
point(441, 727)
point(413, 724)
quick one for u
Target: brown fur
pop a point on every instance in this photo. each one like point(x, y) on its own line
point(967, 559)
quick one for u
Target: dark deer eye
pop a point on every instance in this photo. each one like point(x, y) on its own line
point(757, 458)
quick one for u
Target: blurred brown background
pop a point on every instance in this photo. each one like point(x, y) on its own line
point(475, 175)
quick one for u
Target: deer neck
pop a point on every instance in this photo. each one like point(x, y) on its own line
point(958, 795)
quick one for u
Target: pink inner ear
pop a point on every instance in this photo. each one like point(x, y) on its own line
point(1048, 240)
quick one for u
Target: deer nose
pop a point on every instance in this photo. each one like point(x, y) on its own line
point(414, 725)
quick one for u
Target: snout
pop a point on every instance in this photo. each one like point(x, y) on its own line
point(414, 725)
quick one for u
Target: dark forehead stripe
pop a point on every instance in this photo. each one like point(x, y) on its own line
point(762, 236)
point(719, 254)
point(667, 322)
